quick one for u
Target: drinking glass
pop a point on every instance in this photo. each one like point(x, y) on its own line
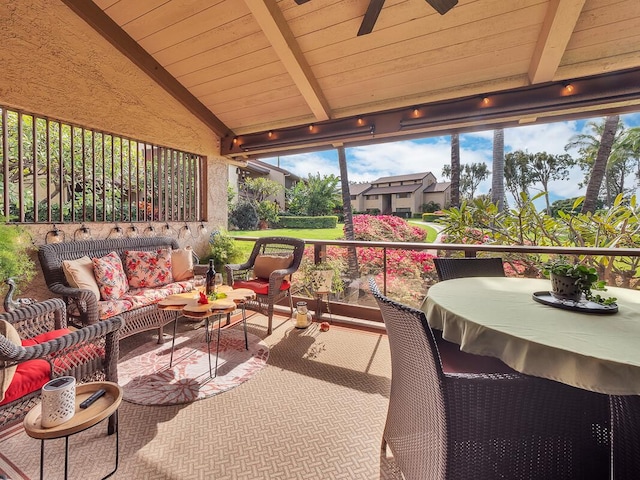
point(218, 280)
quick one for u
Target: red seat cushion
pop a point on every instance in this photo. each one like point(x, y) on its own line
point(33, 374)
point(455, 360)
point(258, 285)
point(45, 337)
point(29, 377)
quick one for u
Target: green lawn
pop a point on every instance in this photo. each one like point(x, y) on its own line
point(309, 233)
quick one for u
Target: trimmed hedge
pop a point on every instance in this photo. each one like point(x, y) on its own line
point(431, 217)
point(329, 221)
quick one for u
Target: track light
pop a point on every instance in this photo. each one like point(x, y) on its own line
point(341, 134)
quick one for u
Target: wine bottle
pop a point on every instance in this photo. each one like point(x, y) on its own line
point(210, 286)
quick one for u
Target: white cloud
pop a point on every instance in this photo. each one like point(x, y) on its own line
point(430, 154)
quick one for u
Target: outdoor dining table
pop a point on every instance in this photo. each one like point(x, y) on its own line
point(498, 317)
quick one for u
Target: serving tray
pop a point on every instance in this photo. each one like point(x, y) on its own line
point(582, 306)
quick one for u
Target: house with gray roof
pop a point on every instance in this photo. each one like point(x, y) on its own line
point(401, 195)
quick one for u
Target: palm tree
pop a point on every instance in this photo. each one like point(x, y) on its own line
point(497, 178)
point(588, 145)
point(600, 163)
point(352, 258)
point(455, 170)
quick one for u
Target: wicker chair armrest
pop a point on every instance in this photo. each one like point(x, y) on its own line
point(200, 269)
point(84, 299)
point(16, 354)
point(236, 271)
point(277, 277)
point(77, 293)
point(31, 320)
point(239, 266)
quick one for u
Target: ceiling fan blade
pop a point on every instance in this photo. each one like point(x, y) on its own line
point(442, 6)
point(370, 16)
point(300, 2)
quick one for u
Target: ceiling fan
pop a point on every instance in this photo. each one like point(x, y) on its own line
point(375, 6)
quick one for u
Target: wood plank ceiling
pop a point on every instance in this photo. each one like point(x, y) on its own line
point(266, 69)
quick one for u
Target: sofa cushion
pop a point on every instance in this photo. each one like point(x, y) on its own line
point(259, 285)
point(182, 264)
point(110, 276)
point(148, 268)
point(140, 297)
point(265, 264)
point(110, 308)
point(7, 373)
point(79, 274)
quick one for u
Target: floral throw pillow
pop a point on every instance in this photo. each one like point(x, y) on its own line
point(109, 273)
point(148, 269)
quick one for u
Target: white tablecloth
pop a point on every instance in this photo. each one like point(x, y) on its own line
point(498, 317)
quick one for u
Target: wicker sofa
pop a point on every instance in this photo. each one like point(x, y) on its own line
point(137, 307)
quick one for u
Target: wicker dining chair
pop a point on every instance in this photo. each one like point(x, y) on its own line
point(268, 271)
point(483, 426)
point(88, 354)
point(450, 268)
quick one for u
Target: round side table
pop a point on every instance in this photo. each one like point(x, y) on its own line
point(83, 419)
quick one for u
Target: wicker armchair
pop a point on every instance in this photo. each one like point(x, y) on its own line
point(270, 286)
point(483, 426)
point(450, 268)
point(88, 354)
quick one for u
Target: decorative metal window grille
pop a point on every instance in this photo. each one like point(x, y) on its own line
point(52, 171)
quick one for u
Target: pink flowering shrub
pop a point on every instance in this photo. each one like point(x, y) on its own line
point(386, 228)
point(403, 291)
point(400, 263)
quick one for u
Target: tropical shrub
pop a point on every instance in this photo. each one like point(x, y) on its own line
point(617, 227)
point(308, 222)
point(223, 250)
point(386, 228)
point(244, 216)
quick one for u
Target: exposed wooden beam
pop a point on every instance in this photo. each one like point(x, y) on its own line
point(275, 27)
point(557, 28)
point(111, 31)
point(442, 6)
point(617, 92)
point(370, 17)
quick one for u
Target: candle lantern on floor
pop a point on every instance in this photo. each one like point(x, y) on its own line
point(303, 316)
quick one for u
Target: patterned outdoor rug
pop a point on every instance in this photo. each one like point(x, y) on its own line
point(147, 378)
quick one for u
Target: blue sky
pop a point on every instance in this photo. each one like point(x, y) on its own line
point(432, 153)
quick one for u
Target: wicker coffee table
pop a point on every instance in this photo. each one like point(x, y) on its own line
point(83, 419)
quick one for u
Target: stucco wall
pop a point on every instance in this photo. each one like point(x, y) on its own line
point(55, 65)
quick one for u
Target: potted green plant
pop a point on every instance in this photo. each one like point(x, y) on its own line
point(570, 281)
point(323, 277)
point(223, 250)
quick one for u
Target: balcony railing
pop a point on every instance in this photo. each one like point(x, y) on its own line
point(407, 276)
